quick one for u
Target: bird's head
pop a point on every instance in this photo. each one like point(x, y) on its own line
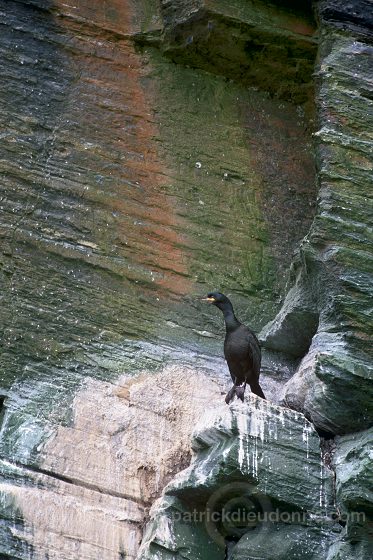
point(218, 299)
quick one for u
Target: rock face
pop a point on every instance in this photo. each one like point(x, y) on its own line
point(96, 476)
point(353, 468)
point(254, 43)
point(328, 303)
point(153, 151)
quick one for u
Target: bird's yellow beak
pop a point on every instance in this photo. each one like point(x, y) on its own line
point(209, 299)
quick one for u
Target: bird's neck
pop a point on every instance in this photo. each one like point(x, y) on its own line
point(231, 322)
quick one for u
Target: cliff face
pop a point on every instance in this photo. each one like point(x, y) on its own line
point(153, 151)
point(332, 278)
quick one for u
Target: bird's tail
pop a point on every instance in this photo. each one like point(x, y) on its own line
point(257, 390)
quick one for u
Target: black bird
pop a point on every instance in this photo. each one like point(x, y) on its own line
point(241, 350)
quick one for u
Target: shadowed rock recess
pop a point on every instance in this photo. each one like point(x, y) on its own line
point(153, 150)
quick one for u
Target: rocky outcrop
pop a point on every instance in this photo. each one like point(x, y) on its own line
point(257, 481)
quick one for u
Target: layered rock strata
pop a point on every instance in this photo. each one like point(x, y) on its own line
point(88, 495)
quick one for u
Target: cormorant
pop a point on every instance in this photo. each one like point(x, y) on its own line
point(241, 350)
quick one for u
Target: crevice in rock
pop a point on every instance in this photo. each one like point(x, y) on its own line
point(75, 482)
point(251, 54)
point(325, 436)
point(294, 336)
point(2, 411)
point(367, 94)
point(327, 448)
point(229, 546)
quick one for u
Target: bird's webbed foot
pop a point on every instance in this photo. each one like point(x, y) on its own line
point(238, 390)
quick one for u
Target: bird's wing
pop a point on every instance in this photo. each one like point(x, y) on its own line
point(254, 354)
point(242, 353)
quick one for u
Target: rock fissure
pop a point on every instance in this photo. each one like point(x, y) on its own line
point(30, 469)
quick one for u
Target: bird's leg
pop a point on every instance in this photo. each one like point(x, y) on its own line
point(230, 394)
point(240, 391)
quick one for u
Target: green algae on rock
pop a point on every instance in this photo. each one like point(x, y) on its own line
point(235, 218)
point(253, 43)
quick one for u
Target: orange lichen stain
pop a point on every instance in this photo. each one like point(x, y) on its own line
point(295, 23)
point(281, 155)
point(115, 116)
point(114, 15)
point(301, 28)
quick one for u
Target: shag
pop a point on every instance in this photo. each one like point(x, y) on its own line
point(241, 350)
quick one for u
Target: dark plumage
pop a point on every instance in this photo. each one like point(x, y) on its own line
point(241, 350)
